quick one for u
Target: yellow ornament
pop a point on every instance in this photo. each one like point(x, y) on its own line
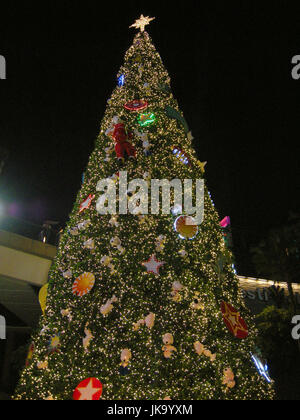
point(42, 365)
point(201, 165)
point(43, 297)
point(168, 348)
point(186, 227)
point(197, 304)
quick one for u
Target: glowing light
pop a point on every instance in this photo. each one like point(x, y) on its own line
point(142, 22)
point(263, 369)
point(146, 119)
point(181, 155)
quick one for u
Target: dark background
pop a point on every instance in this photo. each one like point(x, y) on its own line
point(230, 66)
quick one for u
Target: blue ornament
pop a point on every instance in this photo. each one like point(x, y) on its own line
point(121, 80)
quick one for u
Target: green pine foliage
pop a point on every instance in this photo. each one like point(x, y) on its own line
point(204, 270)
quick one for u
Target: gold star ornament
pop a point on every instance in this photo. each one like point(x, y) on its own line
point(142, 22)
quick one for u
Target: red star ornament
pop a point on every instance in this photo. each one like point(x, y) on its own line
point(234, 322)
point(153, 265)
point(86, 204)
point(88, 390)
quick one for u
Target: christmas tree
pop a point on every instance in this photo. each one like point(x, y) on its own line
point(142, 306)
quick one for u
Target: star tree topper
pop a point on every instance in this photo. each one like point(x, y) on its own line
point(142, 22)
point(153, 265)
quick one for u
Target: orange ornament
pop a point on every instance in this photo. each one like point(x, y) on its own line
point(83, 284)
point(186, 227)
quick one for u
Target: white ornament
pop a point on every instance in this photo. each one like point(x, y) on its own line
point(108, 307)
point(176, 289)
point(153, 265)
point(148, 321)
point(67, 313)
point(114, 221)
point(74, 231)
point(183, 253)
point(90, 244)
point(68, 274)
point(87, 339)
point(160, 243)
point(116, 243)
point(176, 210)
point(105, 260)
point(44, 329)
point(144, 138)
point(84, 225)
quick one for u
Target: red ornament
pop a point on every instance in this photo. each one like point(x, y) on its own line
point(88, 390)
point(234, 322)
point(30, 354)
point(136, 105)
point(121, 138)
point(86, 204)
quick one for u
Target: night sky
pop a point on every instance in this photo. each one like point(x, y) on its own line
point(230, 66)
